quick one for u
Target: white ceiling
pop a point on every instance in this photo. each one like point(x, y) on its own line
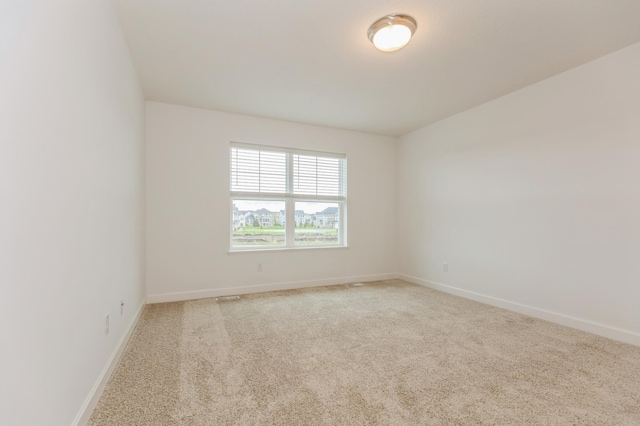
point(311, 61)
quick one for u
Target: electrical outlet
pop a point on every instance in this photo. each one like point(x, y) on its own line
point(106, 324)
point(445, 266)
point(121, 306)
point(259, 267)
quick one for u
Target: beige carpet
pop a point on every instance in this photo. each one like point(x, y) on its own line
point(388, 353)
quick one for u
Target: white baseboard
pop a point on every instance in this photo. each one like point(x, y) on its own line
point(96, 392)
point(291, 285)
point(614, 333)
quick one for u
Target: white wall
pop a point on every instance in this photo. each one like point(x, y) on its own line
point(534, 199)
point(188, 207)
point(71, 176)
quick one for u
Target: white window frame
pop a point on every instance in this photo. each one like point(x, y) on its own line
point(290, 199)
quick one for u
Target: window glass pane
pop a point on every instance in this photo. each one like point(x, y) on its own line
point(317, 223)
point(258, 223)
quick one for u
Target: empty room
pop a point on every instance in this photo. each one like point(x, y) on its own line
point(319, 212)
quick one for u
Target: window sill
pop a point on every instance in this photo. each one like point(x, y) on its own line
point(254, 251)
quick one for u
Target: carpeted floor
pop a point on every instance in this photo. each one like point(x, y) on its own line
point(388, 353)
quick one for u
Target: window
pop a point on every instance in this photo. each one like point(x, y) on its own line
point(285, 198)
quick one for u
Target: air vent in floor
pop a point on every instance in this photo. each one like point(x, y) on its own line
point(225, 298)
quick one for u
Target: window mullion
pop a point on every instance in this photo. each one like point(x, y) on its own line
point(290, 229)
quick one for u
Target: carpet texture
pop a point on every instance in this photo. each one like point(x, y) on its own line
point(388, 353)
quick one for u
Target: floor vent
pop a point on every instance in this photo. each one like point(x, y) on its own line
point(225, 298)
point(355, 285)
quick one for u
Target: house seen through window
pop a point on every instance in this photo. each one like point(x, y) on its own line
point(286, 198)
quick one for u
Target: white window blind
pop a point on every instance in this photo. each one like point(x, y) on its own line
point(315, 175)
point(258, 171)
point(281, 171)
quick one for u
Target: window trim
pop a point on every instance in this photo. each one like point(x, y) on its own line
point(290, 199)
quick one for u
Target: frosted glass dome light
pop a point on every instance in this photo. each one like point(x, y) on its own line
point(392, 32)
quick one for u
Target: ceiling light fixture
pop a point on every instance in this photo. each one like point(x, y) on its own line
point(392, 32)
